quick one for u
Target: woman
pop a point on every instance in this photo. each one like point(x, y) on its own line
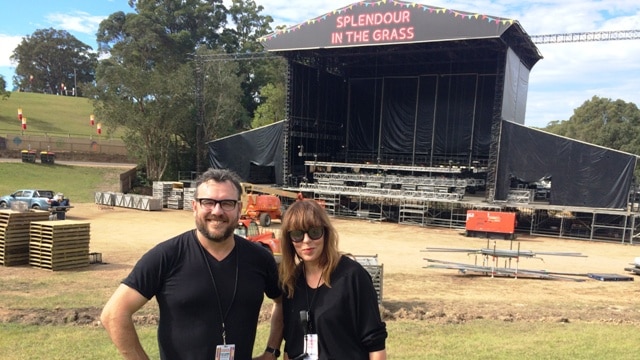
point(330, 304)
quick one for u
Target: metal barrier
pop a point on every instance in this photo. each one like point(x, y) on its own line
point(91, 144)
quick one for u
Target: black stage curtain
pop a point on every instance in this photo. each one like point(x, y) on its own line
point(581, 174)
point(426, 120)
point(255, 155)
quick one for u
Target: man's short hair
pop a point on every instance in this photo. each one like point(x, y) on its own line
point(220, 175)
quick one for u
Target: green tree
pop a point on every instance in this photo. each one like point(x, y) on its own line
point(148, 85)
point(222, 91)
point(247, 24)
point(53, 61)
point(4, 94)
point(219, 93)
point(605, 122)
point(148, 107)
point(272, 109)
point(150, 76)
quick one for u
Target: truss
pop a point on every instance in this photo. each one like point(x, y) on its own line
point(537, 39)
point(586, 36)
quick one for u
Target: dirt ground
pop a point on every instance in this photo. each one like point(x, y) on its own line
point(410, 290)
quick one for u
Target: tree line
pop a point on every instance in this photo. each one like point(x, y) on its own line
point(601, 121)
point(150, 77)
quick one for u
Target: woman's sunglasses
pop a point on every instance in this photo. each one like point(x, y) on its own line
point(314, 233)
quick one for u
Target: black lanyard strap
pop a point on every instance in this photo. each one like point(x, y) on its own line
point(309, 329)
point(215, 288)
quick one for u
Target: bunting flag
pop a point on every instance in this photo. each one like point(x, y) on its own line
point(402, 4)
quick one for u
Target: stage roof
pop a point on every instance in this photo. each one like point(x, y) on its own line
point(389, 22)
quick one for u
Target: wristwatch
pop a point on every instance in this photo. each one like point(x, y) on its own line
point(270, 350)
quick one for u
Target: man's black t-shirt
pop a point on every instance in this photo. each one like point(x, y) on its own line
point(190, 326)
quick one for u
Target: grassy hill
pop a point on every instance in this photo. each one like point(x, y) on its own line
point(50, 114)
point(78, 183)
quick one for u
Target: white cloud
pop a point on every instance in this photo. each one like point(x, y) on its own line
point(79, 21)
point(572, 73)
point(289, 13)
point(8, 43)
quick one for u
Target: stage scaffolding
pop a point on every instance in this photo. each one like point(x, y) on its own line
point(441, 197)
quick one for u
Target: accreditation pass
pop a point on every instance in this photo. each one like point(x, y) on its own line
point(225, 352)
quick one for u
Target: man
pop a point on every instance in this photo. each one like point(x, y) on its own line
point(209, 284)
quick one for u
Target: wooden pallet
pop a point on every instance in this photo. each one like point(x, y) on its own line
point(59, 245)
point(59, 240)
point(8, 233)
point(13, 249)
point(59, 227)
point(14, 235)
point(35, 245)
point(15, 260)
point(58, 265)
point(21, 218)
point(55, 264)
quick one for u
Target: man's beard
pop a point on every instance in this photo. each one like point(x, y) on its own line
point(201, 225)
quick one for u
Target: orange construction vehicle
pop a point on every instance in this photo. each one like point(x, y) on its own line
point(249, 229)
point(262, 203)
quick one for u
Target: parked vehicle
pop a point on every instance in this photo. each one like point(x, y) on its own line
point(34, 198)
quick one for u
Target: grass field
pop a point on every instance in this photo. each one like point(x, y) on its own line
point(47, 114)
point(408, 340)
point(78, 183)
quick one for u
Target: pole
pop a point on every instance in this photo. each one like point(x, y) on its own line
point(200, 105)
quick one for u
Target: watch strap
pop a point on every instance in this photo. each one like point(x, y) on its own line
point(275, 352)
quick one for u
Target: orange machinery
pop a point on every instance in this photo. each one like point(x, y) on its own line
point(487, 223)
point(262, 203)
point(250, 230)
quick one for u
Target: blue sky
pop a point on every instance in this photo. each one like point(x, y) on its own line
point(569, 74)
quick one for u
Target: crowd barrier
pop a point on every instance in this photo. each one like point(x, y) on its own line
point(132, 201)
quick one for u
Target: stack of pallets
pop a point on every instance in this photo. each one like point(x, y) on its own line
point(162, 190)
point(176, 199)
point(59, 245)
point(188, 194)
point(14, 235)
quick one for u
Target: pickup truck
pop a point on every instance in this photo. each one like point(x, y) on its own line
point(35, 198)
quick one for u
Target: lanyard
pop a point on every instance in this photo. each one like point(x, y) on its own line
point(215, 288)
point(313, 299)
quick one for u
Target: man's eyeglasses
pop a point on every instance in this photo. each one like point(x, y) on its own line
point(209, 204)
point(314, 233)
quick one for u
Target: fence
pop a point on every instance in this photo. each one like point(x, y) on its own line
point(92, 144)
